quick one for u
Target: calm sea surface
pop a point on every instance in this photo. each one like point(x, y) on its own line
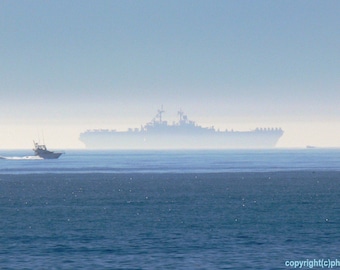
point(170, 209)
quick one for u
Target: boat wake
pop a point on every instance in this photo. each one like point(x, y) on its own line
point(21, 158)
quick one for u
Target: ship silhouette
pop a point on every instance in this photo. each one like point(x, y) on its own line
point(184, 134)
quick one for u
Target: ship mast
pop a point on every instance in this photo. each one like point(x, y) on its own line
point(159, 114)
point(183, 119)
point(180, 113)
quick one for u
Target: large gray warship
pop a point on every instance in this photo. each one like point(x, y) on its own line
point(185, 134)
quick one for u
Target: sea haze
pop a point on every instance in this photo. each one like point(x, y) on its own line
point(169, 209)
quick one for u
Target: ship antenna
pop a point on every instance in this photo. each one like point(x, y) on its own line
point(160, 112)
point(180, 113)
point(38, 135)
point(43, 136)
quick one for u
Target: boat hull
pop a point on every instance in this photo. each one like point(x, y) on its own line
point(49, 155)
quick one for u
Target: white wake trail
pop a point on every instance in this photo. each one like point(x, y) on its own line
point(21, 158)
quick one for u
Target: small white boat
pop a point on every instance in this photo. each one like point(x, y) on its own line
point(40, 150)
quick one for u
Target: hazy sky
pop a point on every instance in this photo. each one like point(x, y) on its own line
point(66, 66)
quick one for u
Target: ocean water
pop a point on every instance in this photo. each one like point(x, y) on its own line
point(269, 209)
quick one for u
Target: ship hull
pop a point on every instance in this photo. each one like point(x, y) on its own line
point(49, 155)
point(213, 140)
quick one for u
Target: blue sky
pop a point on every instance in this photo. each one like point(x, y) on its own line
point(71, 65)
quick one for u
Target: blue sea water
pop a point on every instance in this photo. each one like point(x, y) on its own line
point(170, 209)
